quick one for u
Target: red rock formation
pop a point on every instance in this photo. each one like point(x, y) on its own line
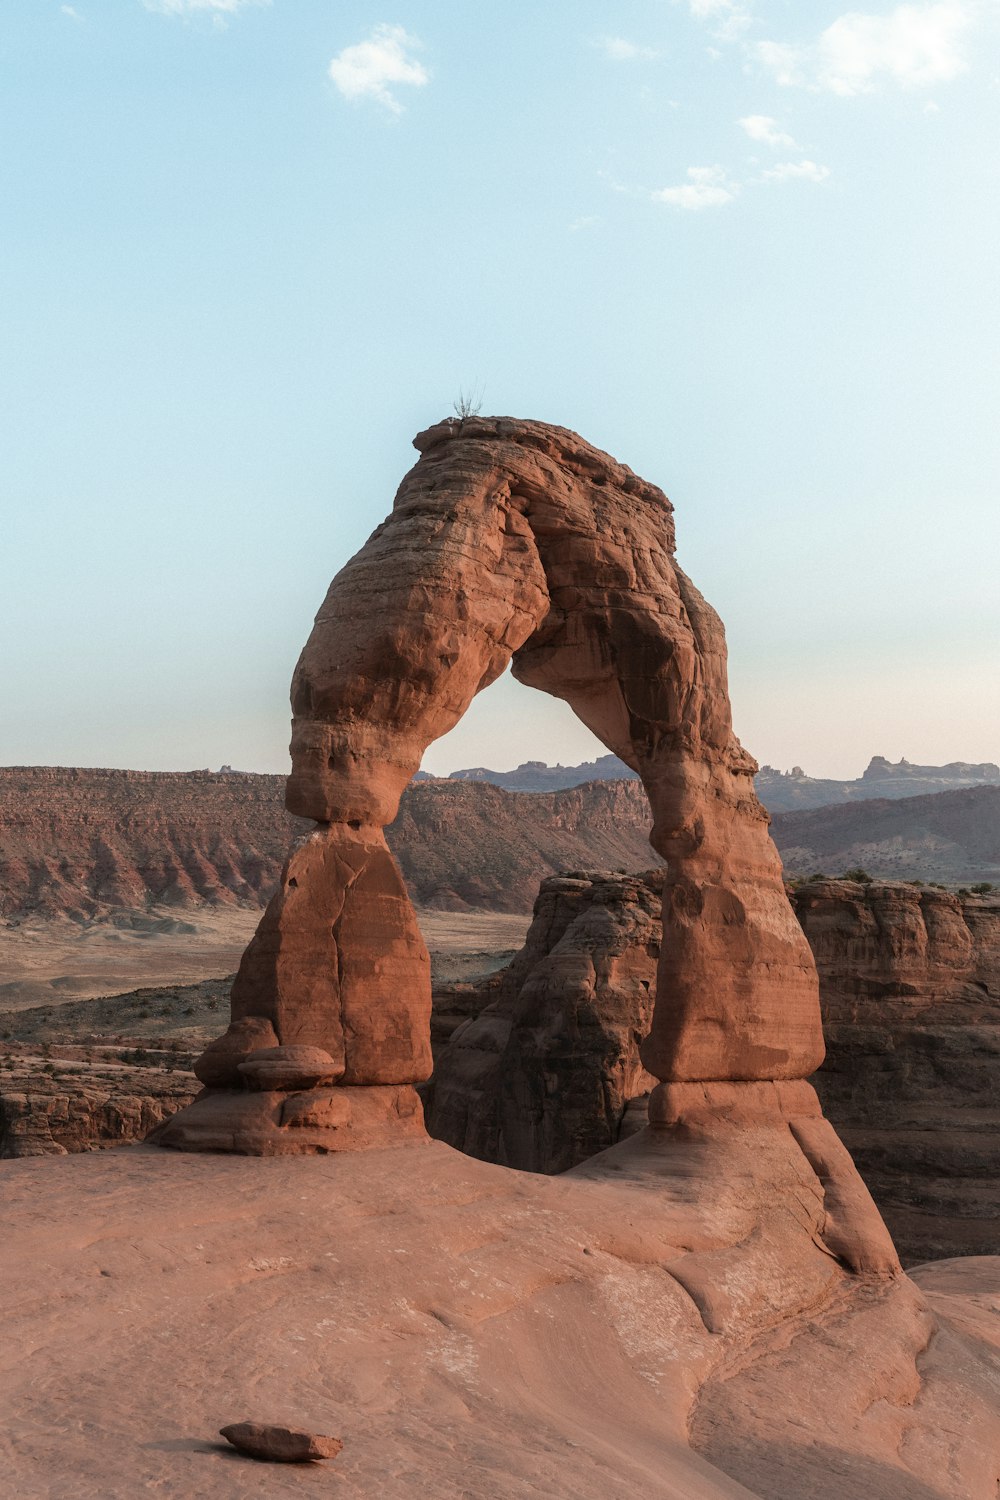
point(45, 1116)
point(515, 541)
point(910, 987)
point(538, 1066)
point(539, 1076)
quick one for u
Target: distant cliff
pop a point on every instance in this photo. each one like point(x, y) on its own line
point(910, 987)
point(536, 776)
point(84, 843)
point(78, 843)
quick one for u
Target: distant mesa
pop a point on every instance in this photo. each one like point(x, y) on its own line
point(536, 776)
point(92, 844)
point(780, 791)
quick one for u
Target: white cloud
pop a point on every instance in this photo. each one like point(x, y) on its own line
point(728, 19)
point(364, 70)
point(618, 49)
point(217, 9)
point(586, 221)
point(786, 171)
point(67, 10)
point(912, 45)
point(764, 128)
point(706, 187)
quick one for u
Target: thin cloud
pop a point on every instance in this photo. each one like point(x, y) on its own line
point(706, 187)
point(764, 128)
point(218, 10)
point(365, 70)
point(619, 49)
point(912, 46)
point(67, 10)
point(729, 20)
point(790, 171)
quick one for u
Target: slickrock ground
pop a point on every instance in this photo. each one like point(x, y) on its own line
point(662, 1322)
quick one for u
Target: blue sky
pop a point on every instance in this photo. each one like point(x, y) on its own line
point(251, 248)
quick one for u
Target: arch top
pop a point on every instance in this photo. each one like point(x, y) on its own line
point(557, 445)
point(506, 539)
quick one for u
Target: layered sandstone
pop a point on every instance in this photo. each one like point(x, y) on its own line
point(910, 987)
point(539, 1074)
point(83, 1108)
point(514, 543)
point(538, 1066)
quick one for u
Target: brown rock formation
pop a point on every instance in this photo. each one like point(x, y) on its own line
point(910, 987)
point(540, 1075)
point(910, 990)
point(517, 541)
point(45, 1116)
point(280, 1445)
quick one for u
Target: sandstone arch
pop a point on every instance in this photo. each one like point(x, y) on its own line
point(517, 542)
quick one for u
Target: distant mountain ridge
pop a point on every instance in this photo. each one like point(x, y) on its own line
point(780, 791)
point(536, 776)
point(945, 836)
point(88, 843)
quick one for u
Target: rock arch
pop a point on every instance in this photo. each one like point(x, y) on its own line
point(508, 542)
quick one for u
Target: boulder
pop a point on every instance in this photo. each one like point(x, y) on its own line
point(282, 1445)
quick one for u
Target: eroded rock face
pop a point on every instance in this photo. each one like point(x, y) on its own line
point(43, 1116)
point(540, 1077)
point(518, 542)
point(910, 985)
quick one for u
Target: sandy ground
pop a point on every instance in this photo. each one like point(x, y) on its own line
point(662, 1322)
point(54, 962)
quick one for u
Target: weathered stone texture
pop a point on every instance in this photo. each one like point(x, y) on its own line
point(540, 1075)
point(910, 987)
point(516, 542)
